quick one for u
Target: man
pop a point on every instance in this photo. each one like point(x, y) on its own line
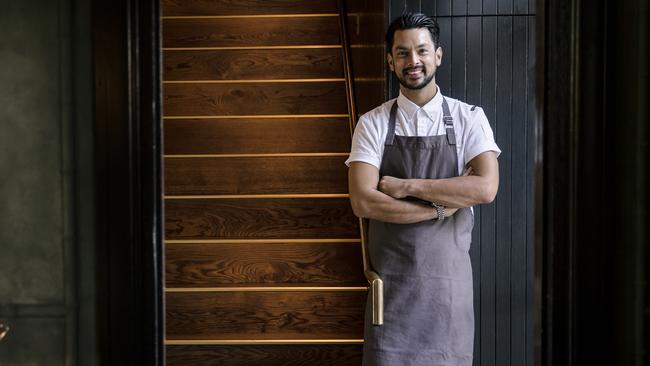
point(418, 163)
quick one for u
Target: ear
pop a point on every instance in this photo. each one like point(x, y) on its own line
point(438, 56)
point(389, 60)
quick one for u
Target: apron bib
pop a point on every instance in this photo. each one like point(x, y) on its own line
point(425, 267)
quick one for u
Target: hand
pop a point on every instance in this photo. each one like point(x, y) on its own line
point(450, 211)
point(396, 187)
point(393, 187)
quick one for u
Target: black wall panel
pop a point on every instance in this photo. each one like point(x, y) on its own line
point(489, 61)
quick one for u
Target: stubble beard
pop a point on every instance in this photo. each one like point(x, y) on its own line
point(422, 84)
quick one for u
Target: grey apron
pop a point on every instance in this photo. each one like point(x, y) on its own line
point(426, 269)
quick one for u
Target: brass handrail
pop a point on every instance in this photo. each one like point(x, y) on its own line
point(376, 284)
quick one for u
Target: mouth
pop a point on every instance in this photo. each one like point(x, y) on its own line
point(414, 73)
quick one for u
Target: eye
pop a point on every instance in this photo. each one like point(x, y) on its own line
point(424, 51)
point(401, 53)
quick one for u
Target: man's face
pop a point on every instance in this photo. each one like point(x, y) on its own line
point(414, 58)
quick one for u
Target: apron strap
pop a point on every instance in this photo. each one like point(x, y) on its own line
point(446, 116)
point(390, 135)
point(449, 122)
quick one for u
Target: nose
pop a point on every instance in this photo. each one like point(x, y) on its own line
point(412, 59)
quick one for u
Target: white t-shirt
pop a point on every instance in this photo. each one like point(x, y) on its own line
point(473, 132)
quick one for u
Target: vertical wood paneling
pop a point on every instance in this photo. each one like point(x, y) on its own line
point(530, 194)
point(443, 75)
point(429, 7)
point(518, 174)
point(489, 7)
point(474, 7)
point(503, 136)
point(473, 61)
point(459, 7)
point(504, 7)
point(487, 311)
point(413, 5)
point(473, 94)
point(443, 7)
point(520, 7)
point(458, 57)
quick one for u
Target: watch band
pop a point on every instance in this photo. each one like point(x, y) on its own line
point(440, 210)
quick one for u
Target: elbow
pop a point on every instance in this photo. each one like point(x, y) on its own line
point(488, 197)
point(488, 193)
point(359, 207)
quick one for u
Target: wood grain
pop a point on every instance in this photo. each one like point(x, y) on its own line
point(253, 64)
point(237, 32)
point(257, 136)
point(246, 7)
point(258, 314)
point(256, 175)
point(299, 218)
point(266, 355)
point(204, 99)
point(295, 264)
point(265, 315)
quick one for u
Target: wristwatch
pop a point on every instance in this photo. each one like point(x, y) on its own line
point(440, 209)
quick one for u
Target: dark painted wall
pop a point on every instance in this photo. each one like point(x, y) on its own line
point(46, 196)
point(489, 60)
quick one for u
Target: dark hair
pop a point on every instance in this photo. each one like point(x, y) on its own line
point(411, 21)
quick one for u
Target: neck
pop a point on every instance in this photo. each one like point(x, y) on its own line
point(421, 96)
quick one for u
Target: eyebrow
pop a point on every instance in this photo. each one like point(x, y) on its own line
point(400, 48)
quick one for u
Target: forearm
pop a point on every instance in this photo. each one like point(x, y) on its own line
point(378, 206)
point(464, 191)
point(478, 184)
point(369, 202)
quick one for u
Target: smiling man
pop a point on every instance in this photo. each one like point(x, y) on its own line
point(418, 163)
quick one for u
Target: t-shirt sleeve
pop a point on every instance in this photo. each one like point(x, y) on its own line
point(365, 146)
point(480, 137)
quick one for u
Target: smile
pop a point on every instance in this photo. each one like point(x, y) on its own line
point(414, 73)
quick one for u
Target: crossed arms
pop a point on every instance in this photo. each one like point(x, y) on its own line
point(381, 200)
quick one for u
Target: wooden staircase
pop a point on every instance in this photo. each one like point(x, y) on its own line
point(262, 252)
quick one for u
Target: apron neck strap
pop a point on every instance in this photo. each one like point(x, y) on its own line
point(446, 117)
point(390, 136)
point(449, 122)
